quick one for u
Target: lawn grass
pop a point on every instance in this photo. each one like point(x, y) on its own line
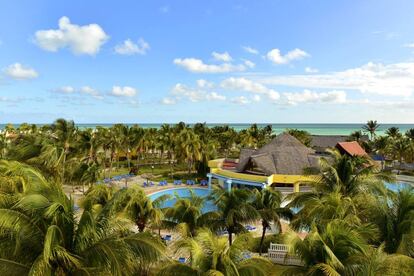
point(161, 172)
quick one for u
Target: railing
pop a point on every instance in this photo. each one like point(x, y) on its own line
point(278, 253)
point(285, 190)
point(279, 247)
point(241, 176)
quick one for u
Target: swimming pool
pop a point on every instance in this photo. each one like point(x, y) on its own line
point(184, 193)
point(397, 186)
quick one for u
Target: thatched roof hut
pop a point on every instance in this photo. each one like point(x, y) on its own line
point(283, 155)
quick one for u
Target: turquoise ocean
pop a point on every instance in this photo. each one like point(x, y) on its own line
point(317, 129)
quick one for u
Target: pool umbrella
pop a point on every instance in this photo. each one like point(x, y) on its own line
point(147, 176)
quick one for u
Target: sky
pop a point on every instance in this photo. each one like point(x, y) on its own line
point(291, 61)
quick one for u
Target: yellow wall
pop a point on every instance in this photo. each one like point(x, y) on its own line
point(242, 176)
point(215, 167)
point(286, 179)
point(216, 163)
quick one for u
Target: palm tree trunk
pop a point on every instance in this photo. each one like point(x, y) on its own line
point(264, 224)
point(230, 237)
point(111, 164)
point(63, 167)
point(141, 225)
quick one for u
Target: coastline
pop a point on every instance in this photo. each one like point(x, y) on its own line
point(312, 128)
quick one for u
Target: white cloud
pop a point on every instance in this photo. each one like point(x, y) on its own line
point(86, 39)
point(276, 57)
point(308, 96)
point(256, 98)
point(128, 47)
point(91, 91)
point(83, 90)
point(198, 66)
point(249, 63)
point(247, 85)
point(168, 101)
point(225, 57)
point(311, 70)
point(213, 96)
point(197, 94)
point(20, 72)
point(66, 89)
point(409, 45)
point(240, 100)
point(125, 91)
point(372, 78)
point(204, 84)
point(250, 50)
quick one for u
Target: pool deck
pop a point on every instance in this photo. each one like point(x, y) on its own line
point(406, 178)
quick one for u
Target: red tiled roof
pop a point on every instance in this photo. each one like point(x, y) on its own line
point(352, 148)
point(229, 164)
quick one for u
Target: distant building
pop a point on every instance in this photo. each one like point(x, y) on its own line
point(351, 148)
point(281, 162)
point(320, 143)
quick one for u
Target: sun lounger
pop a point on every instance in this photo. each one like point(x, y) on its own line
point(181, 260)
point(250, 228)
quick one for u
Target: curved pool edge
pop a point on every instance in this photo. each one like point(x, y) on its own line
point(177, 188)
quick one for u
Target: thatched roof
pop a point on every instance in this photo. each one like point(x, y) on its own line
point(283, 155)
point(323, 142)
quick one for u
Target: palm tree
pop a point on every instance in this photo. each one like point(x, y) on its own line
point(187, 215)
point(321, 209)
point(267, 203)
point(393, 216)
point(212, 255)
point(189, 147)
point(127, 139)
point(371, 127)
point(401, 149)
point(334, 250)
point(3, 145)
point(235, 208)
point(64, 132)
point(303, 136)
point(393, 132)
point(410, 133)
point(88, 144)
point(382, 147)
point(134, 204)
point(97, 197)
point(349, 175)
point(377, 262)
point(356, 136)
point(338, 191)
point(44, 237)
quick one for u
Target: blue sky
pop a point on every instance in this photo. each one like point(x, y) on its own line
point(213, 61)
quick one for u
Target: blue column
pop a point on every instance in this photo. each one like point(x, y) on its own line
point(209, 180)
point(229, 184)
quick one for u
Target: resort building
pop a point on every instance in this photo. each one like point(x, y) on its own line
point(281, 163)
point(351, 148)
point(321, 143)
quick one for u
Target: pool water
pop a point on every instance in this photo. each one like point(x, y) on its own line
point(395, 187)
point(184, 193)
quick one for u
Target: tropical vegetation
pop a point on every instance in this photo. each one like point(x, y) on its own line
point(347, 223)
